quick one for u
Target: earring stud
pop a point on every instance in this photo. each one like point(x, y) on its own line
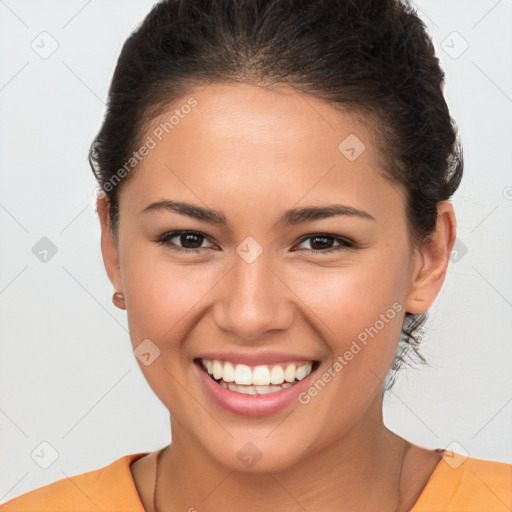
point(118, 300)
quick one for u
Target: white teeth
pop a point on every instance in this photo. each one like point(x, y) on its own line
point(261, 376)
point(264, 378)
point(243, 374)
point(301, 372)
point(276, 375)
point(253, 390)
point(249, 390)
point(289, 373)
point(217, 370)
point(229, 372)
point(263, 390)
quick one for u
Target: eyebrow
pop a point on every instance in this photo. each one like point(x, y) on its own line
point(290, 217)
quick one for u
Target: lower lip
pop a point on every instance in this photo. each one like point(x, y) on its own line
point(252, 405)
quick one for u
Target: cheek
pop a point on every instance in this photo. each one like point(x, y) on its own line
point(351, 298)
point(358, 311)
point(162, 295)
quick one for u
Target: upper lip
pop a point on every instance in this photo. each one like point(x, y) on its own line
point(255, 359)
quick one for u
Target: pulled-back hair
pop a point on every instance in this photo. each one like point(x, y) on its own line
point(372, 58)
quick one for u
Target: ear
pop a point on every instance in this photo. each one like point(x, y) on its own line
point(109, 248)
point(432, 259)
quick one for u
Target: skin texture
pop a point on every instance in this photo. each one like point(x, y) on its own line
point(252, 154)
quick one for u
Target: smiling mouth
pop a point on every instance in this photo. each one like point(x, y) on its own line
point(257, 380)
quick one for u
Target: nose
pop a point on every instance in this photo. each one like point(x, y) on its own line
point(254, 299)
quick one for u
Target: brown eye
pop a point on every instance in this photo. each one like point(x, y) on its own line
point(186, 240)
point(323, 243)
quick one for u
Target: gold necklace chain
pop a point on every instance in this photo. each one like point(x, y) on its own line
point(157, 479)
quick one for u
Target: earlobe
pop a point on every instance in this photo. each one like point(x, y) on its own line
point(109, 249)
point(432, 259)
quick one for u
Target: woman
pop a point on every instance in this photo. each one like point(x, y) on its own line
point(275, 182)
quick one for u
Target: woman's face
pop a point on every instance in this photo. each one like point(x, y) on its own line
point(250, 291)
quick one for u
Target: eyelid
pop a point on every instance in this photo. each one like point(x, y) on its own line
point(337, 238)
point(166, 236)
point(344, 242)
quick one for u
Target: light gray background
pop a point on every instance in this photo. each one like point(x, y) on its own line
point(68, 375)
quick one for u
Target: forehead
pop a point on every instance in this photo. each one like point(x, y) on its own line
point(244, 145)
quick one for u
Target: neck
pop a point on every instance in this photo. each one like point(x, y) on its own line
point(357, 472)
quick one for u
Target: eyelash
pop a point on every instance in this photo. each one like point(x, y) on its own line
point(344, 243)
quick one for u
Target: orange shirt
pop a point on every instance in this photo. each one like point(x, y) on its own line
point(458, 484)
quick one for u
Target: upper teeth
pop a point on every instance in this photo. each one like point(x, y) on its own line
point(262, 375)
